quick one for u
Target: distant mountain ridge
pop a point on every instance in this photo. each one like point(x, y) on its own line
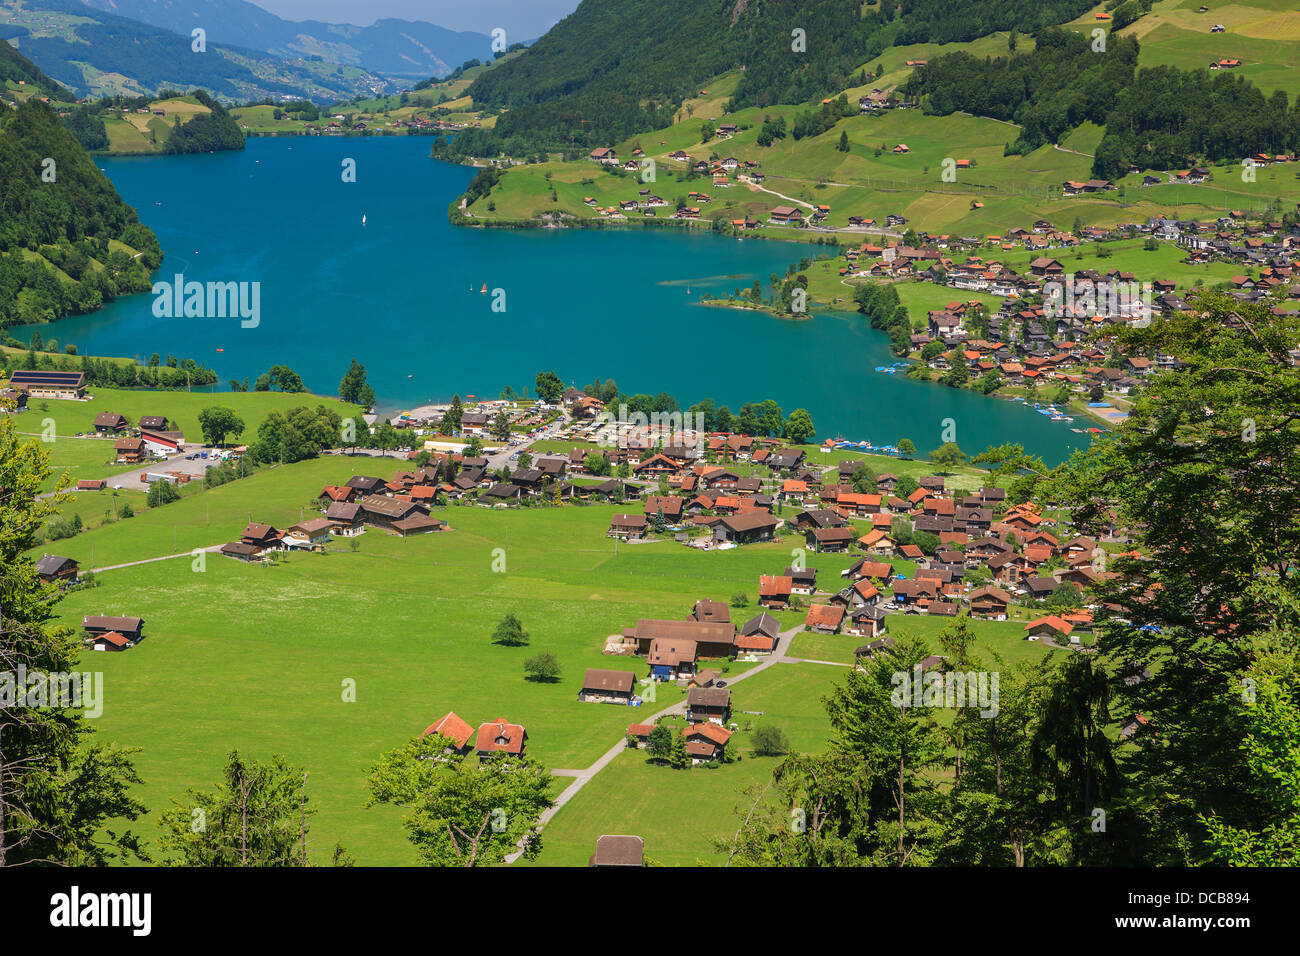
point(390, 47)
point(97, 53)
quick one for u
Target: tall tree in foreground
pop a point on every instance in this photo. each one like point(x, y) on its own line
point(460, 812)
point(61, 794)
point(1208, 468)
point(257, 816)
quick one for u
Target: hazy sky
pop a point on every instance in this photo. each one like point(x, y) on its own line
point(522, 19)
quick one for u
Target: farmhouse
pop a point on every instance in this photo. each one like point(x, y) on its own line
point(263, 537)
point(110, 423)
point(52, 568)
point(454, 729)
point(129, 450)
point(787, 214)
point(610, 687)
point(824, 619)
point(746, 528)
point(759, 634)
point(627, 527)
point(774, 590)
point(383, 512)
point(345, 518)
point(705, 742)
point(501, 736)
point(97, 626)
point(708, 704)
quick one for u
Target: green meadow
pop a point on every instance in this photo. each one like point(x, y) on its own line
point(258, 658)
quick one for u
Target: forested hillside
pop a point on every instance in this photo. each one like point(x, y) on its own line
point(68, 243)
point(615, 67)
point(1159, 118)
point(18, 69)
point(206, 132)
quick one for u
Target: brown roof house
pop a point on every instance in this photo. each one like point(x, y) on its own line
point(708, 703)
point(609, 687)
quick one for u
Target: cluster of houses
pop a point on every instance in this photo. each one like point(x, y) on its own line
point(150, 438)
point(489, 738)
point(673, 650)
point(400, 507)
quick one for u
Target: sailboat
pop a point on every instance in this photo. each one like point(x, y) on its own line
point(363, 219)
point(484, 289)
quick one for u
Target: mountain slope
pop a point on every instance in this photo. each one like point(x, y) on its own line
point(618, 66)
point(99, 53)
point(398, 48)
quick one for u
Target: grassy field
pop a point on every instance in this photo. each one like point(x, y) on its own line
point(181, 408)
point(410, 622)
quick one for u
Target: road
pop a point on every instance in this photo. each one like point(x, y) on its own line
point(582, 777)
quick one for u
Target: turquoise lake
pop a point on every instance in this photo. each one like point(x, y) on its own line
point(401, 294)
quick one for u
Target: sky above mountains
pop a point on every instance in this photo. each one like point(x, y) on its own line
point(521, 19)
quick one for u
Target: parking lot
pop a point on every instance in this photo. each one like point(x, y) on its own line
point(193, 466)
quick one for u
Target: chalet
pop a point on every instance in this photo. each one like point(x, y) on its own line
point(603, 154)
point(818, 518)
point(263, 537)
point(671, 657)
point(830, 539)
point(759, 633)
point(824, 618)
point(367, 485)
point(91, 484)
point(42, 384)
point(774, 590)
point(610, 687)
point(110, 423)
point(346, 519)
point(53, 568)
point(989, 601)
point(501, 736)
point(787, 214)
point(670, 505)
point(866, 621)
point(627, 527)
point(618, 851)
point(155, 423)
point(746, 528)
point(711, 704)
point(802, 580)
point(706, 742)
